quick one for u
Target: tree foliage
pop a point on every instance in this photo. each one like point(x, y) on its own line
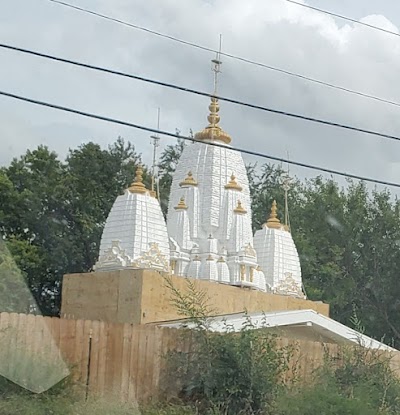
point(348, 241)
point(167, 165)
point(52, 212)
point(228, 372)
point(356, 382)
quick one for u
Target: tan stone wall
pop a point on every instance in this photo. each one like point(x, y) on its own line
point(156, 299)
point(142, 296)
point(106, 296)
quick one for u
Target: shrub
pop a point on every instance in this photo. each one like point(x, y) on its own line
point(231, 372)
point(357, 382)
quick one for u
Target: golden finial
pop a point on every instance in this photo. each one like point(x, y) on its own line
point(213, 131)
point(181, 205)
point(189, 180)
point(239, 208)
point(197, 258)
point(137, 186)
point(221, 259)
point(232, 184)
point(273, 222)
point(210, 258)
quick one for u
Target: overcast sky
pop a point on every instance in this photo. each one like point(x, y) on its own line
point(270, 31)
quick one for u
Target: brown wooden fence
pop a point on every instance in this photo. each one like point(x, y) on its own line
point(121, 359)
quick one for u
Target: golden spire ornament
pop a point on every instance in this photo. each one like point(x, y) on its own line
point(232, 184)
point(181, 205)
point(138, 186)
point(273, 221)
point(189, 180)
point(239, 208)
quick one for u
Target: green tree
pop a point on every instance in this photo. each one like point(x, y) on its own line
point(55, 211)
point(167, 165)
point(229, 372)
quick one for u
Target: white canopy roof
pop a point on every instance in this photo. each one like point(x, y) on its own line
point(305, 324)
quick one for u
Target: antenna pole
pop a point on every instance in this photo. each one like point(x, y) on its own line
point(156, 144)
point(216, 68)
point(286, 187)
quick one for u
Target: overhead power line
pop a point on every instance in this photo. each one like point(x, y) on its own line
point(201, 93)
point(340, 16)
point(169, 134)
point(228, 55)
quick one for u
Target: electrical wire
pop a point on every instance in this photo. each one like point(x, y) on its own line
point(205, 94)
point(340, 16)
point(192, 139)
point(228, 55)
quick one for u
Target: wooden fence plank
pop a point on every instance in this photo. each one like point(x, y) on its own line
point(115, 362)
point(5, 338)
point(133, 370)
point(21, 347)
point(67, 341)
point(85, 357)
point(157, 359)
point(13, 342)
point(103, 335)
point(110, 358)
point(78, 349)
point(126, 361)
point(141, 371)
point(94, 358)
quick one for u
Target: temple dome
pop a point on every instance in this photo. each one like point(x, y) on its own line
point(135, 234)
point(278, 257)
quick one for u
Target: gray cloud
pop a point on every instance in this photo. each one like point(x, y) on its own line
point(273, 32)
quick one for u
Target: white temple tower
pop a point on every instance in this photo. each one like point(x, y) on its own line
point(209, 213)
point(278, 257)
point(135, 234)
point(208, 235)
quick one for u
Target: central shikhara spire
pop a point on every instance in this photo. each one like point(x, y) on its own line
point(209, 222)
point(212, 237)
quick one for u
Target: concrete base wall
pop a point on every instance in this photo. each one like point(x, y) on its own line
point(107, 296)
point(142, 296)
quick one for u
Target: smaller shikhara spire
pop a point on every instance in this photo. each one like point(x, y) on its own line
point(273, 221)
point(138, 186)
point(189, 180)
point(239, 208)
point(233, 184)
point(181, 205)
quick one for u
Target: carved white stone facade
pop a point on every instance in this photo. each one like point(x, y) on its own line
point(135, 234)
point(209, 231)
point(278, 257)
